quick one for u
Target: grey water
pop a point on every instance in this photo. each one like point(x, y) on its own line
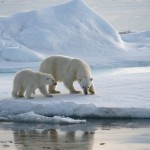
point(94, 135)
point(124, 15)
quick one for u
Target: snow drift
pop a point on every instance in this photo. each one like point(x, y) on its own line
point(70, 29)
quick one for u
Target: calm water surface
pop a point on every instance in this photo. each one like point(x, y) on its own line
point(94, 135)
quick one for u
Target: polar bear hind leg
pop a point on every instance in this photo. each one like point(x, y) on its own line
point(15, 91)
point(21, 92)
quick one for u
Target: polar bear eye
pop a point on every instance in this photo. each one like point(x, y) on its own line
point(47, 78)
point(91, 79)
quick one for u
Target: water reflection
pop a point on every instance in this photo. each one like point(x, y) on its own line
point(53, 139)
point(93, 135)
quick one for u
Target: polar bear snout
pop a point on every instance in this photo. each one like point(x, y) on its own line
point(85, 90)
point(53, 82)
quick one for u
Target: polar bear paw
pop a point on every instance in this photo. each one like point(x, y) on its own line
point(48, 95)
point(75, 92)
point(54, 92)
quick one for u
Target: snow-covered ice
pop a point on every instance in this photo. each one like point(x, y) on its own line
point(121, 93)
point(120, 64)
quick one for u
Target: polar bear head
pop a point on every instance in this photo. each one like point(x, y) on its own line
point(85, 84)
point(46, 78)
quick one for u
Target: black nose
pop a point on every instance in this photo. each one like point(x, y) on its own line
point(55, 83)
point(85, 93)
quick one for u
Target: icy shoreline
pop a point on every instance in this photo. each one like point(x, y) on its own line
point(120, 93)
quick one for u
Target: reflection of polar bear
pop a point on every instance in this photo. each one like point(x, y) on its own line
point(68, 70)
point(29, 81)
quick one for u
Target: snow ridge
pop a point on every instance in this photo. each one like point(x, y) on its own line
point(68, 29)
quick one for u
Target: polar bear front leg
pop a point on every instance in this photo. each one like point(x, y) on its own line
point(43, 90)
point(91, 89)
point(52, 89)
point(70, 87)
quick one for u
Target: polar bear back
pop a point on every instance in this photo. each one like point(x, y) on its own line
point(25, 77)
point(56, 65)
point(59, 66)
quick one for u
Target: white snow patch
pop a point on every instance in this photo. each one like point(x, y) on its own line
point(15, 54)
point(70, 29)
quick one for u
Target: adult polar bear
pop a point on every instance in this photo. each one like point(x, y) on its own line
point(67, 70)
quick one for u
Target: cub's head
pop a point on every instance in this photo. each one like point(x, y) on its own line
point(48, 79)
point(85, 84)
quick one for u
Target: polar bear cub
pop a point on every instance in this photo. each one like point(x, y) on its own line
point(27, 81)
point(67, 70)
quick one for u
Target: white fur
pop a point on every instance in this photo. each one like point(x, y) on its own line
point(28, 81)
point(67, 70)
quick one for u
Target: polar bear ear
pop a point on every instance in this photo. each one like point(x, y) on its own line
point(91, 79)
